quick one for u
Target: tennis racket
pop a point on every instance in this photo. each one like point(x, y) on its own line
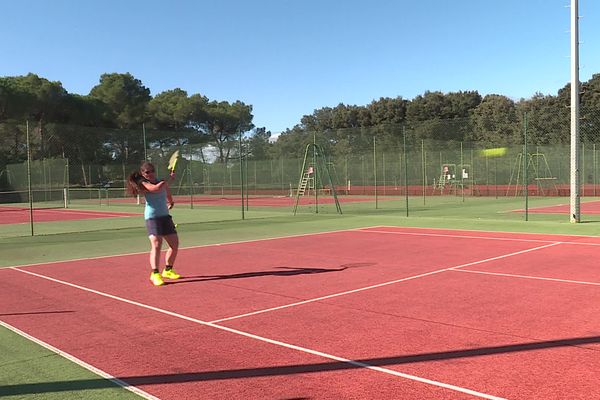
point(173, 163)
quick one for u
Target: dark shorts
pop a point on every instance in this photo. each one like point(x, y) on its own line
point(160, 226)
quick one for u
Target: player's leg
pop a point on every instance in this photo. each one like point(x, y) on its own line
point(173, 242)
point(155, 246)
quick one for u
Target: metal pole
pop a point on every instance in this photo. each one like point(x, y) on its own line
point(472, 174)
point(242, 175)
point(594, 166)
point(575, 214)
point(247, 193)
point(375, 170)
point(383, 170)
point(405, 169)
point(67, 183)
point(496, 177)
point(583, 176)
point(525, 169)
point(144, 136)
point(190, 177)
point(30, 192)
point(423, 167)
point(315, 172)
point(462, 174)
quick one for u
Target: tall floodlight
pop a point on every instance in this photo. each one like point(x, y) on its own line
point(575, 211)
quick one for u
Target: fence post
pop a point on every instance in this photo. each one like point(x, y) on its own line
point(29, 176)
point(423, 167)
point(375, 171)
point(525, 168)
point(405, 168)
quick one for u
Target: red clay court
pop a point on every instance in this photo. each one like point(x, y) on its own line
point(19, 215)
point(587, 207)
point(373, 313)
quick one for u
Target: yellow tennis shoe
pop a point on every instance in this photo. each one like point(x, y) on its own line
point(170, 274)
point(156, 279)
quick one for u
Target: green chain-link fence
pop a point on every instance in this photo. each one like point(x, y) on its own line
point(417, 160)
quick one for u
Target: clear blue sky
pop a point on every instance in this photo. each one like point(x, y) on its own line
point(287, 58)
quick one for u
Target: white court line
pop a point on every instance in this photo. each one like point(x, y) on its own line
point(381, 284)
point(272, 341)
point(529, 277)
point(479, 231)
point(460, 236)
point(86, 212)
point(81, 363)
point(479, 237)
point(362, 230)
point(79, 212)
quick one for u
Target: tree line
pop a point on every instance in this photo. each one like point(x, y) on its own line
point(444, 118)
point(105, 125)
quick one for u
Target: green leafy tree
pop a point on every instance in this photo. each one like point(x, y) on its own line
point(169, 120)
point(462, 103)
point(319, 121)
point(38, 100)
point(429, 106)
point(547, 119)
point(13, 102)
point(590, 110)
point(126, 99)
point(125, 96)
point(259, 145)
point(289, 144)
point(170, 110)
point(389, 111)
point(495, 121)
point(223, 124)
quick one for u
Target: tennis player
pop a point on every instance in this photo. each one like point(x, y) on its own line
point(158, 220)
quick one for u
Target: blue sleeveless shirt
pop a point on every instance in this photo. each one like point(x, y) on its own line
point(156, 204)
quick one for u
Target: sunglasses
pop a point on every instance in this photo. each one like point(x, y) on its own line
point(148, 171)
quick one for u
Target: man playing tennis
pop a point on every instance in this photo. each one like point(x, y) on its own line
point(158, 220)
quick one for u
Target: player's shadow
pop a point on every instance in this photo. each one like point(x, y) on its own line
point(280, 271)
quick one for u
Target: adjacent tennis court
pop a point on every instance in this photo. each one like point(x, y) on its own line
point(19, 215)
point(381, 312)
point(587, 207)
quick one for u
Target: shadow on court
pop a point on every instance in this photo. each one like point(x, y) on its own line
point(36, 313)
point(281, 271)
point(88, 384)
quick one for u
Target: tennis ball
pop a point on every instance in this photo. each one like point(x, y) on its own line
point(496, 152)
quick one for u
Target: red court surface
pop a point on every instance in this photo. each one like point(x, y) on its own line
point(588, 207)
point(374, 313)
point(20, 216)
